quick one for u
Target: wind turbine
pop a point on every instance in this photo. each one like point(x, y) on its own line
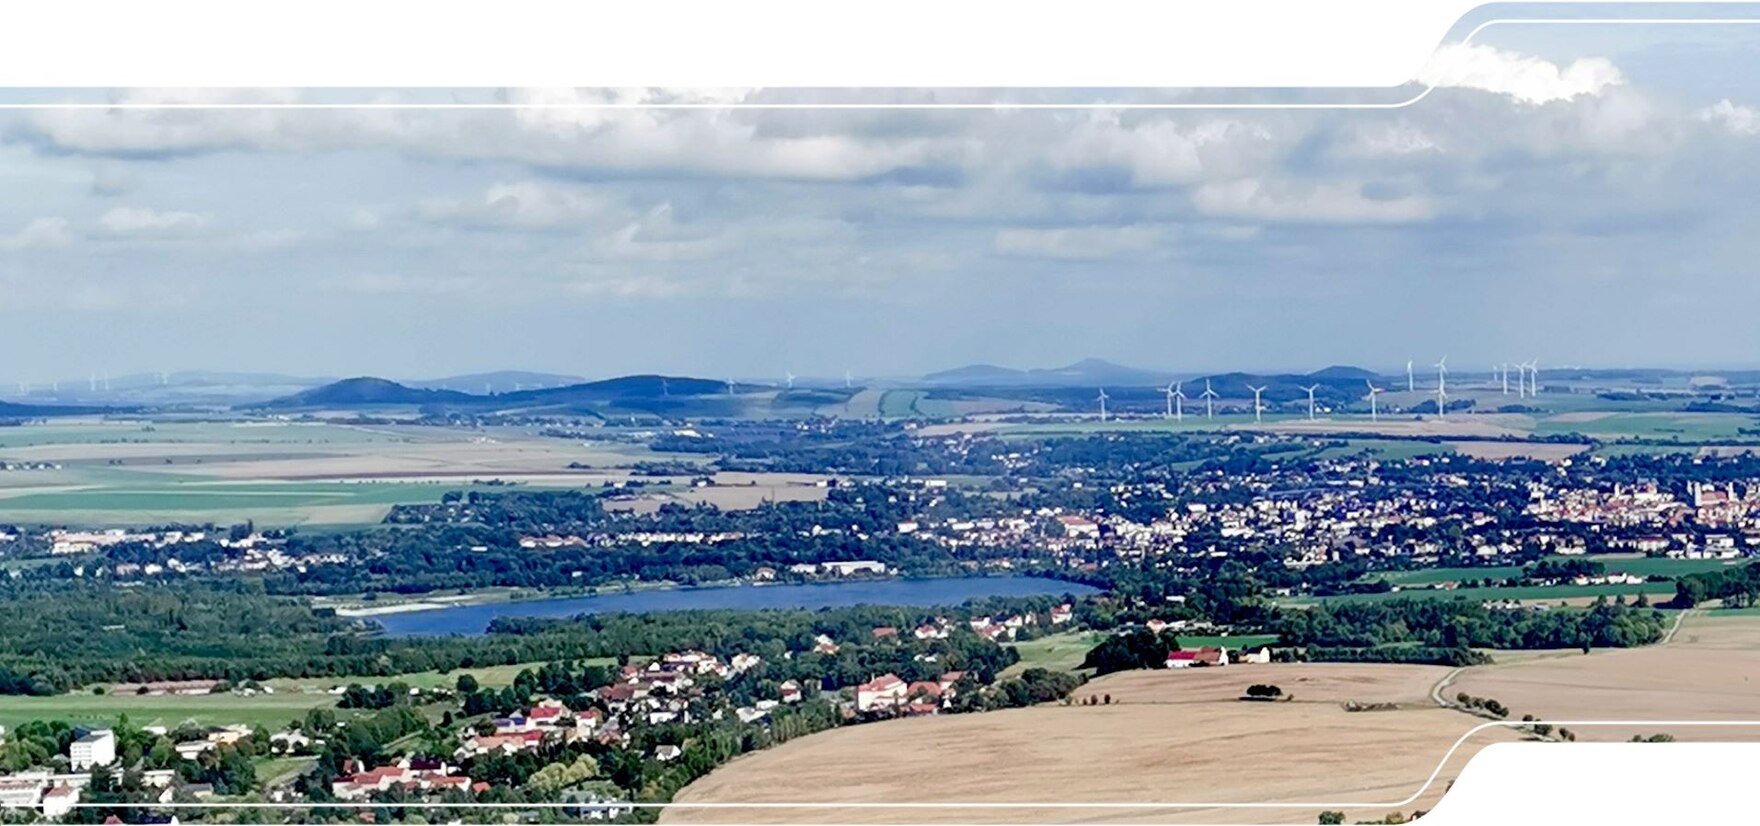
point(1441, 386)
point(790, 379)
point(849, 381)
point(1505, 379)
point(1311, 389)
point(1208, 396)
point(1169, 392)
point(1411, 383)
point(665, 389)
point(730, 386)
point(1179, 403)
point(1102, 399)
point(1257, 406)
point(1374, 414)
point(1534, 377)
point(1521, 380)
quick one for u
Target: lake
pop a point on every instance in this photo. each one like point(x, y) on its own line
point(474, 619)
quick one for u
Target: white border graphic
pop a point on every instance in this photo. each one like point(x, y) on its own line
point(1420, 95)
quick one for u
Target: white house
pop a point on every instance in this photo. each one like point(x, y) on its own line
point(96, 748)
point(884, 691)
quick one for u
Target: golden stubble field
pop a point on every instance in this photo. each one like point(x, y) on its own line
point(1709, 671)
point(1169, 736)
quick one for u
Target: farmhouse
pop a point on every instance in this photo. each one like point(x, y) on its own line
point(1201, 657)
point(884, 691)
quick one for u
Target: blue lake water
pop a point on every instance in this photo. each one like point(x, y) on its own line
point(474, 619)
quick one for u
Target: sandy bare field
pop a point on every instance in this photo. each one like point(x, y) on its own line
point(1458, 425)
point(1709, 671)
point(1170, 736)
point(1543, 451)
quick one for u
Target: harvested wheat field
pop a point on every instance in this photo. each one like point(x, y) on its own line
point(1543, 451)
point(1169, 736)
point(1709, 671)
point(1481, 425)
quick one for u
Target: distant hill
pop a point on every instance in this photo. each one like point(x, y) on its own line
point(623, 387)
point(13, 410)
point(367, 391)
point(1342, 372)
point(1090, 372)
point(500, 381)
point(978, 374)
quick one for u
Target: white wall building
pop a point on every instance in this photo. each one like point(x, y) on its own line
point(97, 748)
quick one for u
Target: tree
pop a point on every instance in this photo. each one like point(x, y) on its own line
point(1129, 651)
point(1331, 818)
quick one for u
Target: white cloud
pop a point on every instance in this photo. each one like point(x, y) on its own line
point(1390, 140)
point(38, 234)
point(523, 205)
point(139, 222)
point(1077, 243)
point(1261, 200)
point(110, 181)
point(1160, 151)
point(1741, 120)
point(1527, 79)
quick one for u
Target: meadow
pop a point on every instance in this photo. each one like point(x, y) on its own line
point(1623, 563)
point(291, 700)
point(1525, 593)
point(272, 711)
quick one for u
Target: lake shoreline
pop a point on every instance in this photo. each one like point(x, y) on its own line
point(431, 617)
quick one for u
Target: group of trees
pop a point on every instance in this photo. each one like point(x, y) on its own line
point(1737, 587)
point(1460, 623)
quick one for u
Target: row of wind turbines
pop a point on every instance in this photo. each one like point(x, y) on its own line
point(1527, 385)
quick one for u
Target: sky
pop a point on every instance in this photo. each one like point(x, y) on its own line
point(1578, 196)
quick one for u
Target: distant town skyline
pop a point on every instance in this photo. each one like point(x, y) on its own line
point(1579, 195)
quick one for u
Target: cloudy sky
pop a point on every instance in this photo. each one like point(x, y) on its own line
point(1580, 196)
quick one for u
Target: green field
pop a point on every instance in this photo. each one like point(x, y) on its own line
point(118, 473)
point(493, 676)
point(1057, 652)
point(272, 771)
point(899, 404)
point(1390, 449)
point(1230, 641)
point(272, 711)
point(1688, 427)
point(1635, 565)
point(232, 496)
point(291, 700)
point(1535, 593)
point(1064, 652)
